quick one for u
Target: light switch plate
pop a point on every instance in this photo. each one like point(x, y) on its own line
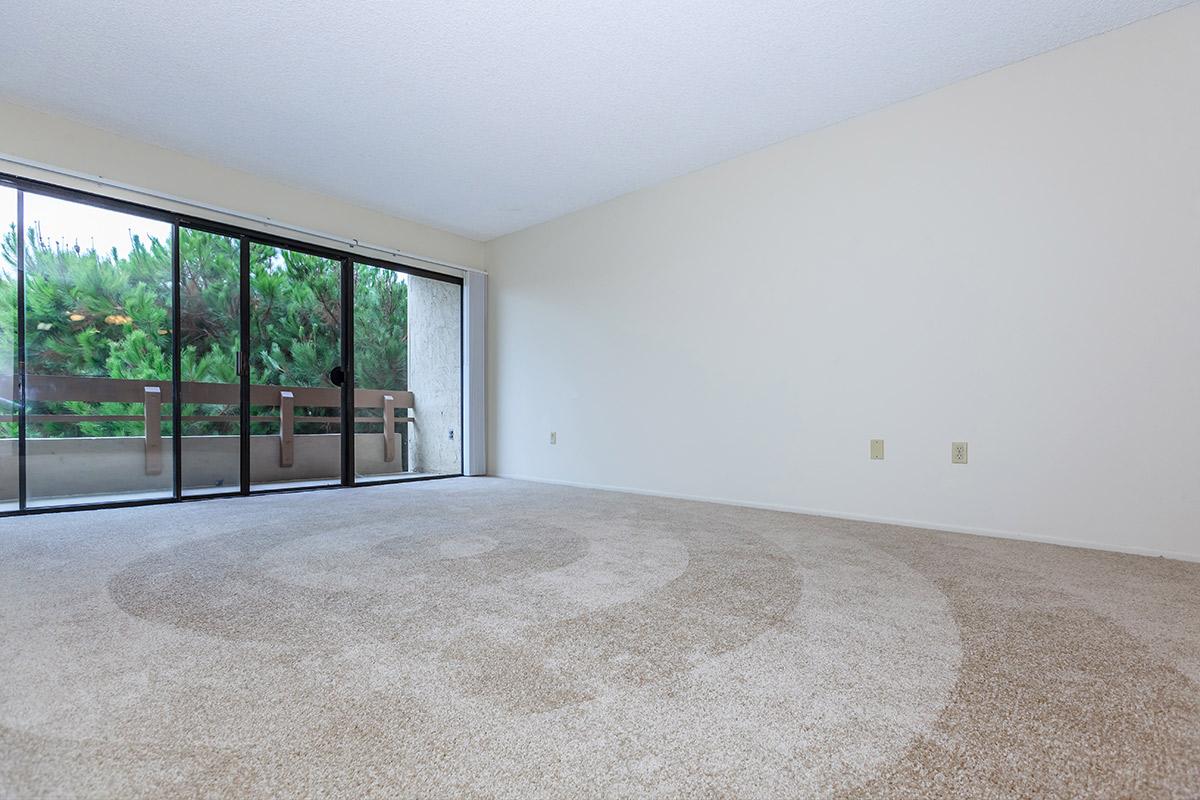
point(877, 449)
point(553, 437)
point(958, 452)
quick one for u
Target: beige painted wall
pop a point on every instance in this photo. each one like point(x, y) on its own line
point(1013, 261)
point(64, 143)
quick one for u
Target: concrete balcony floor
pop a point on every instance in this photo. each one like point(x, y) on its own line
point(107, 470)
point(114, 498)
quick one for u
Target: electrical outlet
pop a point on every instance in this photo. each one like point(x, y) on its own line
point(553, 437)
point(877, 449)
point(958, 452)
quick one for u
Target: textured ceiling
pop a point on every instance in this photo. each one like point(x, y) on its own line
point(487, 117)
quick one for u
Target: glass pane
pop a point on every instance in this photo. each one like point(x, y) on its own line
point(295, 342)
point(407, 347)
point(380, 372)
point(209, 330)
point(8, 351)
point(98, 354)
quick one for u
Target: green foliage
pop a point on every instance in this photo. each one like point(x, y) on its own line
point(101, 314)
point(380, 317)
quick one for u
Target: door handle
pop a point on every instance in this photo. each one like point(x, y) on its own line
point(337, 375)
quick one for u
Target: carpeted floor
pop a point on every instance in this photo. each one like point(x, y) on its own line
point(487, 638)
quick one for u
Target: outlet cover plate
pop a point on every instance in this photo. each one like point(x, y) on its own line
point(958, 452)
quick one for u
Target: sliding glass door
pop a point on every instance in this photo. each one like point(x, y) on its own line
point(294, 366)
point(210, 314)
point(98, 356)
point(10, 459)
point(408, 375)
point(296, 375)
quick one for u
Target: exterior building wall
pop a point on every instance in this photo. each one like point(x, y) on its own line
point(435, 375)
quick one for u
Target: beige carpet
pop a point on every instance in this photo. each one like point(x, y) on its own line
point(487, 638)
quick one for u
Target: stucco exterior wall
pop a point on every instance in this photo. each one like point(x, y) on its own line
point(435, 375)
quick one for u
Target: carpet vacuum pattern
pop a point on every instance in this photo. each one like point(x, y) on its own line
point(491, 638)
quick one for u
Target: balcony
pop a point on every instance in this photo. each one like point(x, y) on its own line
point(302, 447)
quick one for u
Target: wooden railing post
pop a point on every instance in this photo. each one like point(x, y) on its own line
point(389, 428)
point(153, 415)
point(287, 428)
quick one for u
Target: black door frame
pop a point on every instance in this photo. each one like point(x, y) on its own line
point(246, 236)
point(345, 478)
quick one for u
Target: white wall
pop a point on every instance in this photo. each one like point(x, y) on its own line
point(1013, 261)
point(67, 144)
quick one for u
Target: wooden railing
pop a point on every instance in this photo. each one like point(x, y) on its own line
point(152, 395)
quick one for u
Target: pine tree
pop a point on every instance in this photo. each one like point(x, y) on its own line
point(104, 314)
